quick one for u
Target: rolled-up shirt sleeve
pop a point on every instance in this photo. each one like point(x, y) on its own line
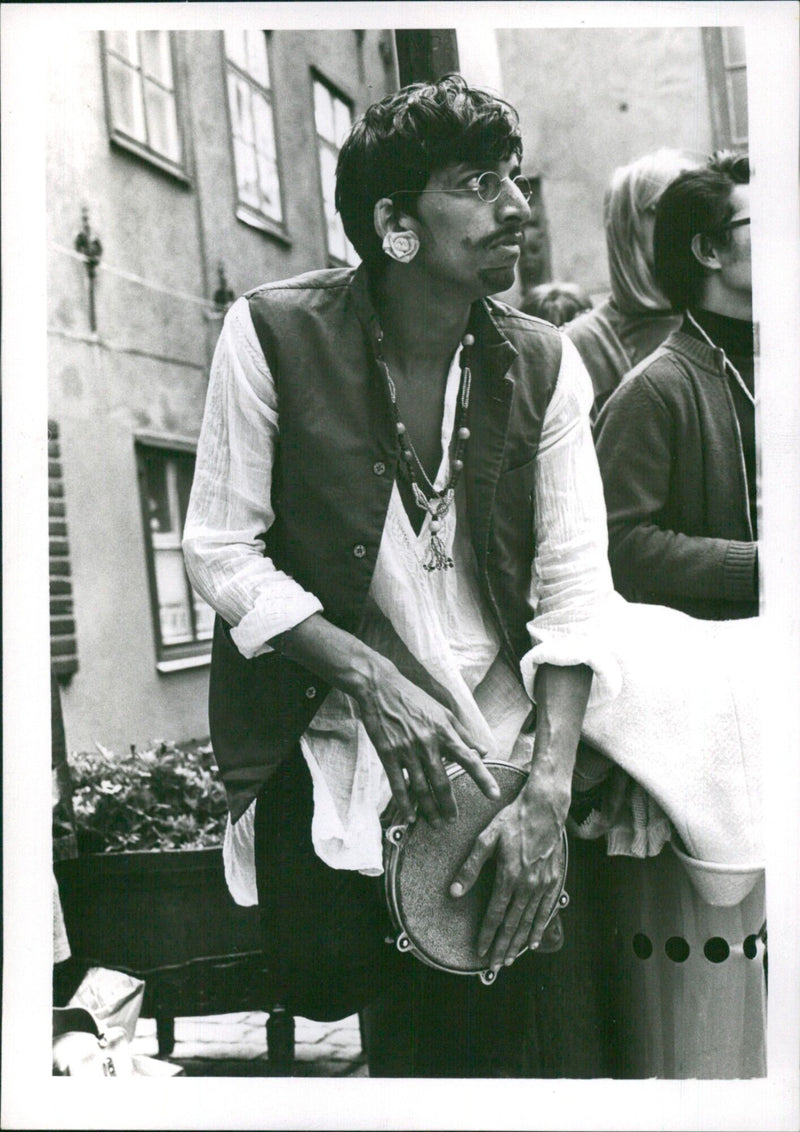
point(230, 507)
point(572, 585)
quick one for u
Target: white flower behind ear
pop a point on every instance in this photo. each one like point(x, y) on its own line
point(401, 246)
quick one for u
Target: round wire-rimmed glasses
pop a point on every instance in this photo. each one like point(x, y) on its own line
point(487, 187)
point(735, 223)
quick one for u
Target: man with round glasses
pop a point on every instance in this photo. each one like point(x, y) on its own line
point(676, 444)
point(398, 518)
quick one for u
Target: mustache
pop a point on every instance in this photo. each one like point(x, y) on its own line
point(510, 235)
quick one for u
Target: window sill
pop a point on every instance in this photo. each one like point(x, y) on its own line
point(171, 440)
point(183, 662)
point(136, 149)
point(263, 224)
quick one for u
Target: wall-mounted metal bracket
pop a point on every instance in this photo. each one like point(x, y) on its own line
point(91, 249)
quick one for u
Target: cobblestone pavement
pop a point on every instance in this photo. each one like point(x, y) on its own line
point(235, 1045)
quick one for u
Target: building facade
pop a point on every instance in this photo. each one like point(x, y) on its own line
point(592, 99)
point(182, 169)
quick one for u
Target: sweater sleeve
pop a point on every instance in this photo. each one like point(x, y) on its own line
point(636, 438)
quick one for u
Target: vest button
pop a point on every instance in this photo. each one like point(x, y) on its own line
point(311, 692)
point(379, 467)
point(359, 550)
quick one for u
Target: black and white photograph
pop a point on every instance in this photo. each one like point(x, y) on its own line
point(401, 463)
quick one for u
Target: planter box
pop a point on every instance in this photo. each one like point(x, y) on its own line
point(167, 917)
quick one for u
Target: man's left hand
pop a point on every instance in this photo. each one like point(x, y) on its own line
point(526, 837)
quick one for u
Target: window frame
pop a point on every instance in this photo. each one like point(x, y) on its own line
point(318, 77)
point(186, 654)
point(718, 70)
point(729, 68)
point(119, 139)
point(245, 212)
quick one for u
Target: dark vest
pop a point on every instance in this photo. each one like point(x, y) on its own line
point(334, 468)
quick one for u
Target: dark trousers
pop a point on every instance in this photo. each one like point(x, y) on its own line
point(325, 934)
point(324, 930)
point(545, 1016)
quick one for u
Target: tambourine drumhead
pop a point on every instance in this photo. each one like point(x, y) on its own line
point(420, 863)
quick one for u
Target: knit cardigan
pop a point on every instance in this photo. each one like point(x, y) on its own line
point(670, 454)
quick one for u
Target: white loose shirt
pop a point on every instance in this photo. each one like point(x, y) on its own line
point(439, 615)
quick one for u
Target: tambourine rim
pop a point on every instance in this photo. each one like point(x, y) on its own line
point(392, 859)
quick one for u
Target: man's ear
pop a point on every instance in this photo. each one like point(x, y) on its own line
point(388, 218)
point(704, 252)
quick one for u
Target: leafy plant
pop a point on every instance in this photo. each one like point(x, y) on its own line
point(166, 797)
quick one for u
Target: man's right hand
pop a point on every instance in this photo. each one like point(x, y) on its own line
point(412, 733)
point(410, 730)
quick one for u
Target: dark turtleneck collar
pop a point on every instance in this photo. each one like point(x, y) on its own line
point(733, 335)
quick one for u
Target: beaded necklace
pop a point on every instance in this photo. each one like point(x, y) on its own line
point(427, 498)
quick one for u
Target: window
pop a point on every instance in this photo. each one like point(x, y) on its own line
point(183, 622)
point(255, 152)
point(333, 118)
point(726, 70)
point(733, 58)
point(140, 95)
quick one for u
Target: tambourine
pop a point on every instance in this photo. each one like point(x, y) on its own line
point(420, 862)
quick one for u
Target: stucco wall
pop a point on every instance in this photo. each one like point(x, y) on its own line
point(146, 367)
point(591, 99)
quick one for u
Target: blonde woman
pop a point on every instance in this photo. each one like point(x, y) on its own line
point(636, 318)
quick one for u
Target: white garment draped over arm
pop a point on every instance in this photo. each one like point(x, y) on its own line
point(571, 578)
point(230, 505)
point(674, 699)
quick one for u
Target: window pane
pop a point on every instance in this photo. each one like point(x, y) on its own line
point(173, 598)
point(155, 56)
point(737, 89)
point(323, 112)
point(333, 121)
point(733, 46)
point(124, 43)
point(327, 163)
point(185, 467)
point(166, 478)
point(264, 129)
point(163, 498)
point(257, 62)
point(162, 122)
point(125, 97)
point(235, 105)
point(241, 110)
point(246, 177)
point(269, 186)
point(255, 153)
point(236, 48)
point(342, 121)
point(157, 500)
point(203, 618)
point(173, 497)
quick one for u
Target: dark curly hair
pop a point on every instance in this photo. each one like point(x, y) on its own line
point(400, 140)
point(697, 202)
point(558, 303)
